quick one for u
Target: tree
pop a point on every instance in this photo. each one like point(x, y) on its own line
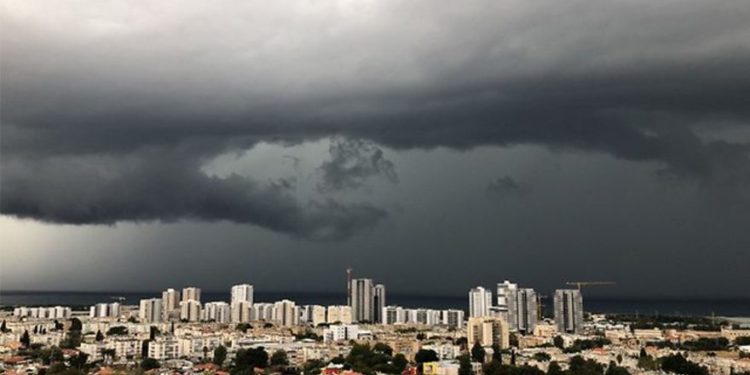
point(220, 355)
point(253, 357)
point(614, 369)
point(541, 357)
point(56, 355)
point(75, 325)
point(559, 342)
point(425, 355)
point(513, 358)
point(581, 366)
point(25, 339)
point(497, 354)
point(149, 363)
point(679, 364)
point(554, 369)
point(4, 327)
point(464, 365)
point(399, 362)
point(205, 352)
point(79, 361)
point(117, 331)
point(477, 353)
point(383, 348)
point(279, 358)
point(99, 336)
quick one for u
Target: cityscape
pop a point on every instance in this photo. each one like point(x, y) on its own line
point(504, 332)
point(374, 187)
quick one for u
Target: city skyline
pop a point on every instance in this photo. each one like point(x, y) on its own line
point(434, 148)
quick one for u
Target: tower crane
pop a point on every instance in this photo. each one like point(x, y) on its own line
point(580, 284)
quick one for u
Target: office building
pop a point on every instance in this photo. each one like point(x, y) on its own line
point(150, 310)
point(569, 310)
point(480, 302)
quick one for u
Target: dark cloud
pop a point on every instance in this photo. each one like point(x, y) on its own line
point(507, 185)
point(641, 81)
point(352, 162)
point(154, 186)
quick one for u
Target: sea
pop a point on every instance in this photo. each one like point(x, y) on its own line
point(642, 306)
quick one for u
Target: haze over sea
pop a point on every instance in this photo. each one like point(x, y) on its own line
point(648, 306)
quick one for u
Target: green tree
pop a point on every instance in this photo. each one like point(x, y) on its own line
point(614, 369)
point(56, 355)
point(99, 336)
point(464, 365)
point(581, 366)
point(497, 354)
point(4, 327)
point(117, 331)
point(75, 325)
point(220, 355)
point(678, 364)
point(253, 357)
point(399, 362)
point(477, 353)
point(541, 357)
point(149, 363)
point(25, 339)
point(79, 361)
point(554, 369)
point(382, 348)
point(559, 342)
point(279, 358)
point(425, 355)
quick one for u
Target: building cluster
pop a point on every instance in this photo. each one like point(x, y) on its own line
point(521, 308)
point(54, 312)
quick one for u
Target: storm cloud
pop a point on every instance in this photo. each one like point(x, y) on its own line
point(111, 109)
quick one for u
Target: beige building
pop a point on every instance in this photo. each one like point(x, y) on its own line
point(339, 314)
point(488, 331)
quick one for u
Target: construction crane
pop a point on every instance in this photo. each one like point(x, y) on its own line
point(580, 284)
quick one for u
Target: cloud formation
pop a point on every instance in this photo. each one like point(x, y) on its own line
point(108, 113)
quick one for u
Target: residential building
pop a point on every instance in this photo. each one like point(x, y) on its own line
point(285, 313)
point(339, 314)
point(170, 299)
point(568, 310)
point(191, 293)
point(218, 312)
point(242, 293)
point(190, 310)
point(378, 303)
point(488, 331)
point(480, 302)
point(241, 311)
point(363, 300)
point(150, 310)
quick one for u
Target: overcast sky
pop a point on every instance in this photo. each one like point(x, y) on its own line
point(433, 146)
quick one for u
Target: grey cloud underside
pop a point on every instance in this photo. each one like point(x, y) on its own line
point(638, 81)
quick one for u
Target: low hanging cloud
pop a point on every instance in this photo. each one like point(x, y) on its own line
point(94, 90)
point(506, 185)
point(352, 163)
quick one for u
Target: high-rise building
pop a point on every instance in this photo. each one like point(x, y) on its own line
point(569, 310)
point(191, 293)
point(314, 314)
point(339, 315)
point(150, 310)
point(285, 313)
point(104, 310)
point(517, 305)
point(378, 303)
point(363, 300)
point(170, 299)
point(218, 312)
point(488, 331)
point(242, 292)
point(262, 311)
point(241, 312)
point(453, 318)
point(480, 302)
point(190, 310)
point(525, 316)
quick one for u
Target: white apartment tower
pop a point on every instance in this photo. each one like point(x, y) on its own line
point(150, 310)
point(191, 293)
point(285, 313)
point(480, 302)
point(190, 310)
point(242, 293)
point(170, 299)
point(216, 311)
